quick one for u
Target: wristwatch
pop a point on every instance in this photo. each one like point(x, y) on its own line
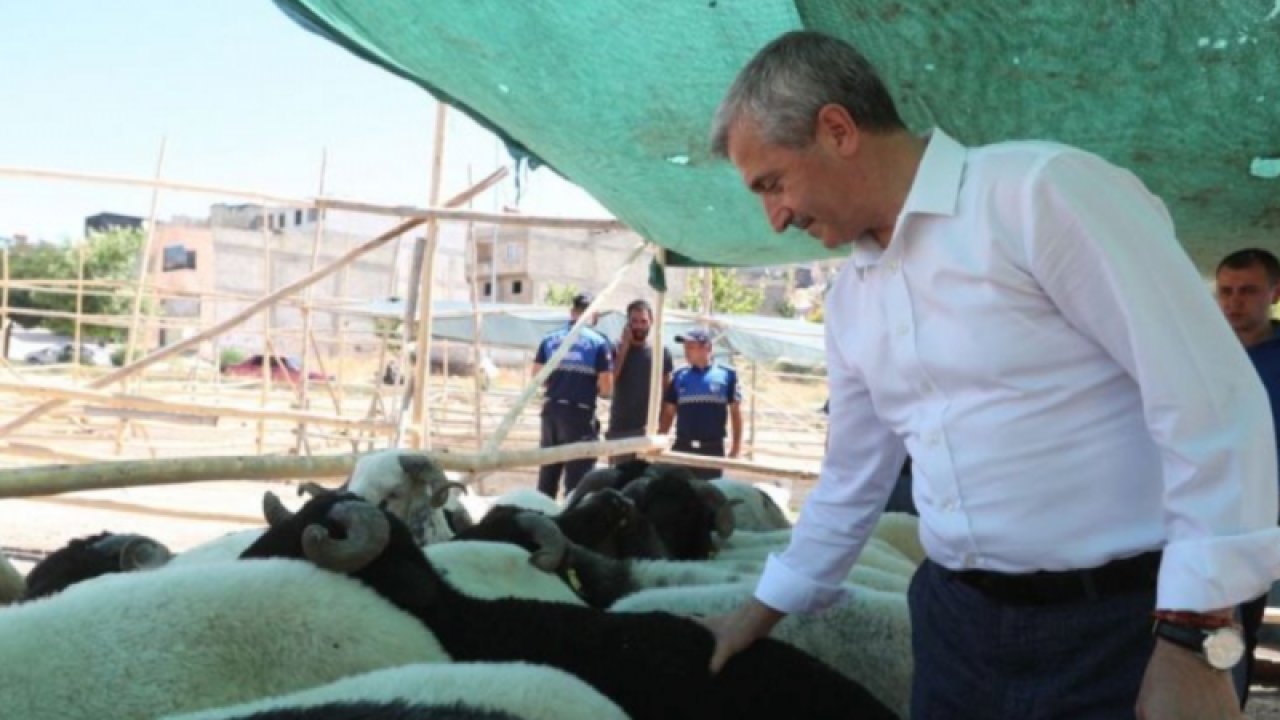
point(1221, 647)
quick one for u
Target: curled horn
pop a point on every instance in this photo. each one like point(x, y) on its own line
point(440, 495)
point(598, 479)
point(315, 490)
point(721, 506)
point(367, 535)
point(273, 510)
point(143, 553)
point(551, 543)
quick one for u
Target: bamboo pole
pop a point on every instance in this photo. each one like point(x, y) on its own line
point(554, 361)
point(751, 415)
point(144, 259)
point(138, 402)
point(340, 360)
point(305, 382)
point(426, 284)
point(55, 479)
point(706, 298)
point(659, 352)
point(477, 330)
point(409, 370)
point(268, 358)
point(480, 216)
point(101, 179)
point(5, 324)
point(79, 310)
point(252, 309)
point(742, 466)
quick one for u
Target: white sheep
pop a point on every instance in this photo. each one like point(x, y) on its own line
point(412, 488)
point(529, 692)
point(867, 638)
point(755, 509)
point(178, 639)
point(12, 584)
point(528, 499)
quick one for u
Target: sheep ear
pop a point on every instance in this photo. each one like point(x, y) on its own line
point(143, 554)
point(273, 510)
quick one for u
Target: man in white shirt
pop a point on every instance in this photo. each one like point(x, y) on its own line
point(1090, 447)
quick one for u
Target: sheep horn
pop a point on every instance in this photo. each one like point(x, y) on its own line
point(368, 532)
point(716, 502)
point(598, 479)
point(441, 494)
point(552, 545)
point(142, 553)
point(315, 490)
point(273, 510)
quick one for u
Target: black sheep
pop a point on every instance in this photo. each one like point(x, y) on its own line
point(653, 665)
point(89, 557)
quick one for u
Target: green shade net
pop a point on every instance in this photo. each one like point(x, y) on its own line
point(617, 96)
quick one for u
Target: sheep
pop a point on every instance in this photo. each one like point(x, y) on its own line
point(517, 690)
point(178, 639)
point(89, 557)
point(902, 531)
point(595, 523)
point(867, 638)
point(409, 485)
point(527, 499)
point(755, 510)
point(12, 584)
point(653, 665)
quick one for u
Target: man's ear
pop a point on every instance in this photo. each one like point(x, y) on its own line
point(836, 129)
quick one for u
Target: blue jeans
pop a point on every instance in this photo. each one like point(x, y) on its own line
point(979, 659)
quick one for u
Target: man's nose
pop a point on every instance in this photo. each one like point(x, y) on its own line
point(779, 216)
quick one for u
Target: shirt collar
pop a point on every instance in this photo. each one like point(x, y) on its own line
point(934, 191)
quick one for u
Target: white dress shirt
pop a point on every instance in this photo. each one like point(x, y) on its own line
point(1069, 393)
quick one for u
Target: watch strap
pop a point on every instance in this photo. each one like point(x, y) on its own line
point(1193, 619)
point(1190, 638)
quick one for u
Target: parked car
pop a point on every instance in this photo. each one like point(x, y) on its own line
point(283, 369)
point(44, 356)
point(89, 355)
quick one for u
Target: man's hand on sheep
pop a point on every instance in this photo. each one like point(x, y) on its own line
point(736, 631)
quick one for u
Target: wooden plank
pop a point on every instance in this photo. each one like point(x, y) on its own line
point(165, 417)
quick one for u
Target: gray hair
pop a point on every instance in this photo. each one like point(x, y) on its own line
point(784, 86)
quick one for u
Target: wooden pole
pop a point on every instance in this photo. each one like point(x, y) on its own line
point(4, 301)
point(477, 330)
point(422, 371)
point(149, 404)
point(79, 308)
point(751, 415)
point(155, 183)
point(144, 260)
point(480, 216)
point(706, 298)
point(252, 309)
point(304, 383)
point(407, 326)
point(659, 348)
point(553, 362)
point(737, 466)
point(53, 479)
point(340, 361)
point(268, 359)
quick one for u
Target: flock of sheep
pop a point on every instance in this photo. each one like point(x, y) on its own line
point(401, 597)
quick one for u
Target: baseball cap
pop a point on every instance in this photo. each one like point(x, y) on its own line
point(695, 335)
point(581, 301)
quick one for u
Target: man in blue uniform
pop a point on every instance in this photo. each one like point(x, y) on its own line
point(569, 411)
point(703, 396)
point(1248, 285)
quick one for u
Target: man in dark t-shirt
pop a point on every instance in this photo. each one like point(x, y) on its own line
point(631, 372)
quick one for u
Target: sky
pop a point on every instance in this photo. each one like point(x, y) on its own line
point(239, 96)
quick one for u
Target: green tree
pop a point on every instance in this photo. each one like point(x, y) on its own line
point(729, 294)
point(110, 255)
point(560, 294)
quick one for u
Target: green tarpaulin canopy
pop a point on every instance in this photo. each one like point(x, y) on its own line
point(617, 95)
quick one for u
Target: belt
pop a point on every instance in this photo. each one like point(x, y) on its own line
point(699, 443)
point(580, 406)
point(1118, 577)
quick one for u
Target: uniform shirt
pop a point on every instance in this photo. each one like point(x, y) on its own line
point(1266, 360)
point(702, 397)
point(574, 381)
point(1068, 391)
point(629, 410)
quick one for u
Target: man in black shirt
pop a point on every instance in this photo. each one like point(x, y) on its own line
point(631, 371)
